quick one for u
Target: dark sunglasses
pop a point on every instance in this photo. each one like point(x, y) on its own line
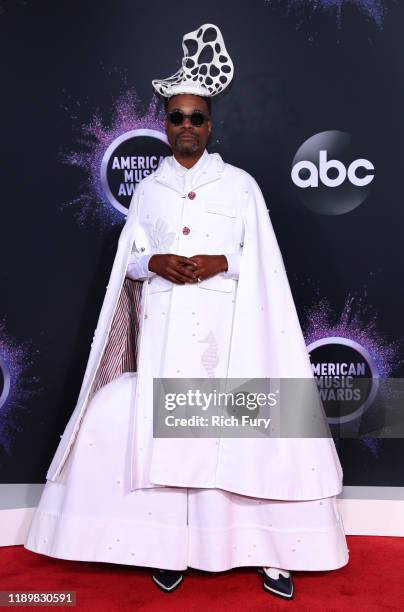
point(177, 117)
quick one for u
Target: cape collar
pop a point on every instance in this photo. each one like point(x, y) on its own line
point(182, 171)
point(212, 171)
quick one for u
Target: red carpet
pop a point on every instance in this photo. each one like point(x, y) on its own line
point(373, 580)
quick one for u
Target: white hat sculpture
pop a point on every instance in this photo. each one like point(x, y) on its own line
point(206, 72)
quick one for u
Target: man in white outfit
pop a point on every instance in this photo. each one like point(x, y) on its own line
point(199, 250)
point(188, 127)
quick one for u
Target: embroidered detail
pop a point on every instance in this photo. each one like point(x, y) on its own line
point(210, 357)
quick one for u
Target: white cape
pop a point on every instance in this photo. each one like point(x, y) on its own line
point(267, 342)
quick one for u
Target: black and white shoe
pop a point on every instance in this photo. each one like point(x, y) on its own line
point(277, 581)
point(167, 580)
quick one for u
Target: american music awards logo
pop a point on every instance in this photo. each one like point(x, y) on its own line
point(114, 156)
point(128, 159)
point(351, 360)
point(346, 375)
point(4, 381)
point(17, 385)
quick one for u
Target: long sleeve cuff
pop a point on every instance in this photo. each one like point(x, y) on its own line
point(138, 266)
point(233, 265)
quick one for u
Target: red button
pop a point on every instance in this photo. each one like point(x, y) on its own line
point(192, 195)
point(185, 230)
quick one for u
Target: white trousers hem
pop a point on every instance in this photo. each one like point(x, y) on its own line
point(178, 547)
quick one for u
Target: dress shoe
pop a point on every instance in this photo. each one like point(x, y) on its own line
point(277, 581)
point(167, 580)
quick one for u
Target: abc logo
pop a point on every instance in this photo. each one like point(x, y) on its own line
point(324, 167)
point(330, 177)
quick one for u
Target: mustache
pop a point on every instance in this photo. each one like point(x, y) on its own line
point(193, 134)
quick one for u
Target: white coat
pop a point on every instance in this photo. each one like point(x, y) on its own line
point(263, 340)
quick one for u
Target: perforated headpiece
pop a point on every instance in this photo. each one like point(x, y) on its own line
point(206, 66)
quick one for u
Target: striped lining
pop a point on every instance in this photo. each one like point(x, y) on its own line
point(120, 354)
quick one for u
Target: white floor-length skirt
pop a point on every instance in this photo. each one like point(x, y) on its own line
point(91, 514)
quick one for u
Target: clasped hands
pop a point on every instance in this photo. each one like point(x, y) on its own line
point(179, 269)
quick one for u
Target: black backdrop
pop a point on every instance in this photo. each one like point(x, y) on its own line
point(298, 71)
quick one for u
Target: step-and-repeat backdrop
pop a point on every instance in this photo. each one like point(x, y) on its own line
point(314, 113)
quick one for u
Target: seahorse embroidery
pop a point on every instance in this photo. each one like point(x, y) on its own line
point(210, 356)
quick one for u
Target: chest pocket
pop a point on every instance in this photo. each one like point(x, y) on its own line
point(220, 221)
point(220, 210)
point(223, 218)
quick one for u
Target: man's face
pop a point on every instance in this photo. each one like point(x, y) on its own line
point(187, 139)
